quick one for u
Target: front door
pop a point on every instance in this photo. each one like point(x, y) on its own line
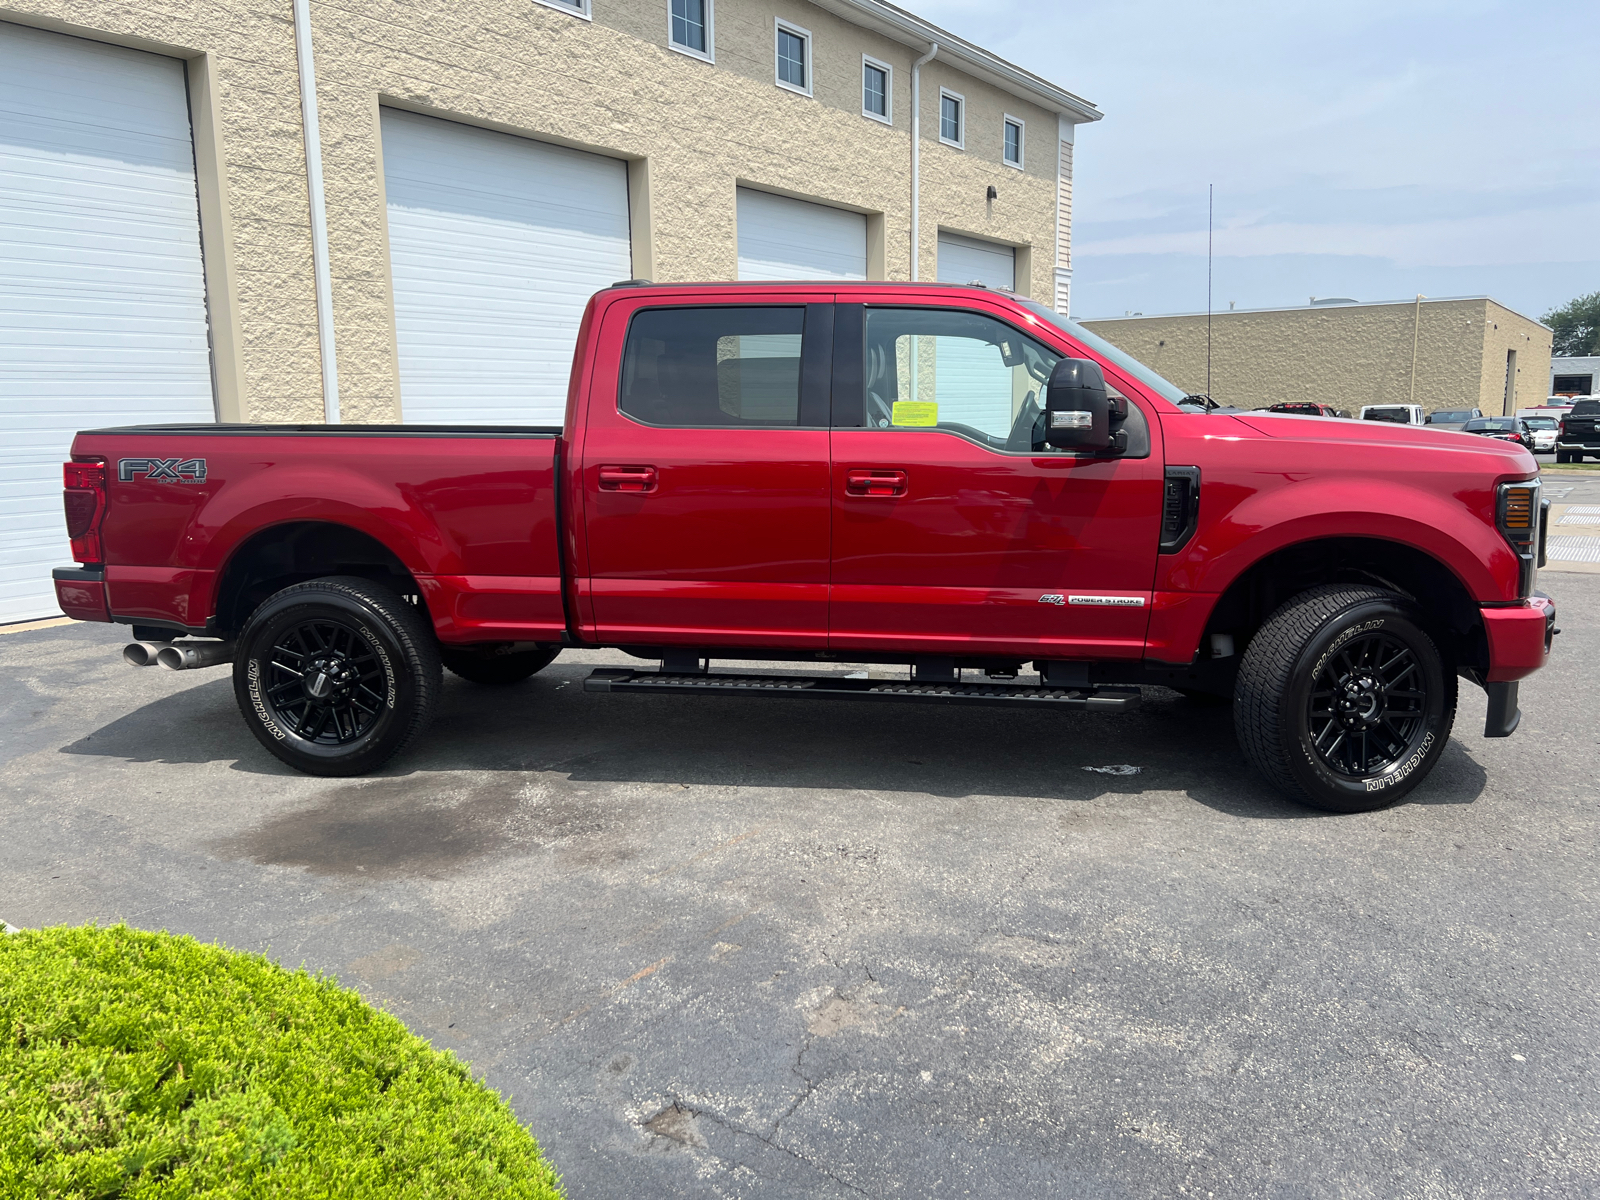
point(705, 476)
point(956, 531)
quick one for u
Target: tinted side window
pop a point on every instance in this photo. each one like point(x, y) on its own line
point(731, 367)
point(960, 372)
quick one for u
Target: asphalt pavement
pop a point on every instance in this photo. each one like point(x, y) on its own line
point(734, 948)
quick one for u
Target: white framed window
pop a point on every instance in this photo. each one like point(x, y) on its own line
point(877, 90)
point(792, 54)
point(952, 118)
point(1011, 139)
point(691, 28)
point(573, 8)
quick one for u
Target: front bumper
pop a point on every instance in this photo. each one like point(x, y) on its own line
point(1519, 643)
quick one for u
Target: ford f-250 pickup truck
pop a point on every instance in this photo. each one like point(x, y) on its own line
point(949, 478)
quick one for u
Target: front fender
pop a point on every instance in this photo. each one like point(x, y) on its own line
point(1259, 524)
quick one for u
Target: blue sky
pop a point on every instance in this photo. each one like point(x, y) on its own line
point(1372, 149)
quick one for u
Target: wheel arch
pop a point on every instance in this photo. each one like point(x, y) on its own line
point(291, 552)
point(1448, 610)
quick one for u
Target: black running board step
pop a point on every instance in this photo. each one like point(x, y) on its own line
point(822, 687)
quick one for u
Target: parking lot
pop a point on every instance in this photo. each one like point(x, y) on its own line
point(732, 948)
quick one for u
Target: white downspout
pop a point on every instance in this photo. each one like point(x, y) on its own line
point(319, 212)
point(916, 157)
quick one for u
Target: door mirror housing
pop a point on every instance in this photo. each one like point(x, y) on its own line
point(1079, 414)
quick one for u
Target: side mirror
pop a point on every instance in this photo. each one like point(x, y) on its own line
point(1078, 412)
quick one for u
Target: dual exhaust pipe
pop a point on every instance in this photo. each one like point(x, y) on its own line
point(179, 656)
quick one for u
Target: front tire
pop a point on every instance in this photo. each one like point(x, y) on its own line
point(1343, 699)
point(337, 675)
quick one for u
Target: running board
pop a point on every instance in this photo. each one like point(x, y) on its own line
point(822, 687)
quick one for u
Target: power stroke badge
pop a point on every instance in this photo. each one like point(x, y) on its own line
point(162, 470)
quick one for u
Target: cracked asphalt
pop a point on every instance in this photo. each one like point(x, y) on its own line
point(731, 948)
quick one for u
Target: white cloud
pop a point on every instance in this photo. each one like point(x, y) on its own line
point(1491, 239)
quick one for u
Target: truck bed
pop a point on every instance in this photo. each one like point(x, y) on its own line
point(469, 511)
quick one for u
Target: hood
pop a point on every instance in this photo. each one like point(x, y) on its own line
point(1382, 433)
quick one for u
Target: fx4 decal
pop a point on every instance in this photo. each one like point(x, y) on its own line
point(162, 470)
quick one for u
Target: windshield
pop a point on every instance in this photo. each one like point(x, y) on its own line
point(1162, 387)
point(1540, 422)
point(1449, 416)
point(1493, 423)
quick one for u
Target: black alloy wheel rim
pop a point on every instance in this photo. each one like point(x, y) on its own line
point(1368, 705)
point(324, 682)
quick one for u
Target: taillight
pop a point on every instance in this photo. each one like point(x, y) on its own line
point(1518, 515)
point(85, 503)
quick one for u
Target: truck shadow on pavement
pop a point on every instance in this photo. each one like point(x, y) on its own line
point(550, 727)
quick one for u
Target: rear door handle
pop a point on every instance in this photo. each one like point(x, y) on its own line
point(875, 483)
point(627, 479)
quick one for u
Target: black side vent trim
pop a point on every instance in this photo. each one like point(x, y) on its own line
point(1180, 508)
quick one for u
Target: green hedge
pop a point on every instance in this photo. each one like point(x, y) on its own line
point(143, 1065)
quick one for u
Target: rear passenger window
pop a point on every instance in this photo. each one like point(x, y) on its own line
point(731, 367)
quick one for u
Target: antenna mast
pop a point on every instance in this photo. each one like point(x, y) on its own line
point(1211, 189)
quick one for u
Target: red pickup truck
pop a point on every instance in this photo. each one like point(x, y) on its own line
point(949, 478)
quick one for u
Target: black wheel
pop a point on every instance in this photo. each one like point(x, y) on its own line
point(491, 667)
point(1343, 699)
point(336, 676)
point(1563, 457)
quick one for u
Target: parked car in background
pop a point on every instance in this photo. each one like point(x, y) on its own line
point(1578, 432)
point(1452, 418)
point(1303, 408)
point(1505, 429)
point(1544, 429)
point(1395, 414)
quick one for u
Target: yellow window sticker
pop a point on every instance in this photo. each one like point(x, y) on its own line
point(916, 412)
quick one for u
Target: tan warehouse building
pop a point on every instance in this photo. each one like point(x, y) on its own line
point(185, 245)
point(1468, 352)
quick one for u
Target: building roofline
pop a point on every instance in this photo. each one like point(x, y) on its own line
point(1234, 312)
point(911, 30)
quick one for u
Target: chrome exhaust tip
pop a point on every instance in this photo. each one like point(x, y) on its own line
point(142, 654)
point(187, 656)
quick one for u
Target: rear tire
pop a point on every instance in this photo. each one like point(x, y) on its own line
point(496, 670)
point(1343, 699)
point(336, 676)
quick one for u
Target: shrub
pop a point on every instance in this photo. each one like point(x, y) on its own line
point(143, 1065)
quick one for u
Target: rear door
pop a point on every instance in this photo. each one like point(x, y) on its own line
point(955, 530)
point(704, 474)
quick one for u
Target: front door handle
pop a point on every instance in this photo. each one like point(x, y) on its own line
point(627, 479)
point(875, 483)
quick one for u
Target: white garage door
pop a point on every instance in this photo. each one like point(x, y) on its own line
point(102, 295)
point(496, 244)
point(968, 260)
point(781, 238)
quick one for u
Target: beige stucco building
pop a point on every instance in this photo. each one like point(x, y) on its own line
point(690, 128)
point(1469, 352)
